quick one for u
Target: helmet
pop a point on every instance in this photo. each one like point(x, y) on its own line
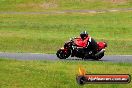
point(84, 35)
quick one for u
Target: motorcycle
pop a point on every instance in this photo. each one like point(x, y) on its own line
point(73, 48)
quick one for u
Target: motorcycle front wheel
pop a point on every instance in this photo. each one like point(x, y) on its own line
point(61, 54)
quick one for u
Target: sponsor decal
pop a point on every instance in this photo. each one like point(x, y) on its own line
point(84, 78)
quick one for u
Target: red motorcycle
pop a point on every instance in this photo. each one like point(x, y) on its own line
point(73, 48)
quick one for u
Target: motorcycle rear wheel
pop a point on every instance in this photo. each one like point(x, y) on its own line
point(99, 57)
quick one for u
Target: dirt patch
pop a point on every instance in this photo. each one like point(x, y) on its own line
point(48, 5)
point(38, 5)
point(118, 1)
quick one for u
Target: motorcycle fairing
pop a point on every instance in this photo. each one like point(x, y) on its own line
point(101, 45)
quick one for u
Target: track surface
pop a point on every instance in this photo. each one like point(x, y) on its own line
point(73, 11)
point(35, 56)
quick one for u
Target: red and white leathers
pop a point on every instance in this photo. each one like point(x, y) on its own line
point(82, 43)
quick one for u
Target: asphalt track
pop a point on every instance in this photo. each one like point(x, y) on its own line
point(73, 11)
point(38, 56)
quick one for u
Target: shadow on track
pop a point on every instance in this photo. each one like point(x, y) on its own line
point(76, 59)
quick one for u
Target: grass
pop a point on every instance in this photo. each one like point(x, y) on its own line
point(53, 5)
point(46, 33)
point(56, 74)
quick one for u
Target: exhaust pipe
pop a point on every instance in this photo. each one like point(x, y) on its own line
point(102, 51)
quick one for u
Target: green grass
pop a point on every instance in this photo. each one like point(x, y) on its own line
point(46, 33)
point(56, 74)
point(50, 5)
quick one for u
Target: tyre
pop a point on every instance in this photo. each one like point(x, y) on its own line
point(99, 56)
point(61, 54)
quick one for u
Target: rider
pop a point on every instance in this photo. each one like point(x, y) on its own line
point(90, 43)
